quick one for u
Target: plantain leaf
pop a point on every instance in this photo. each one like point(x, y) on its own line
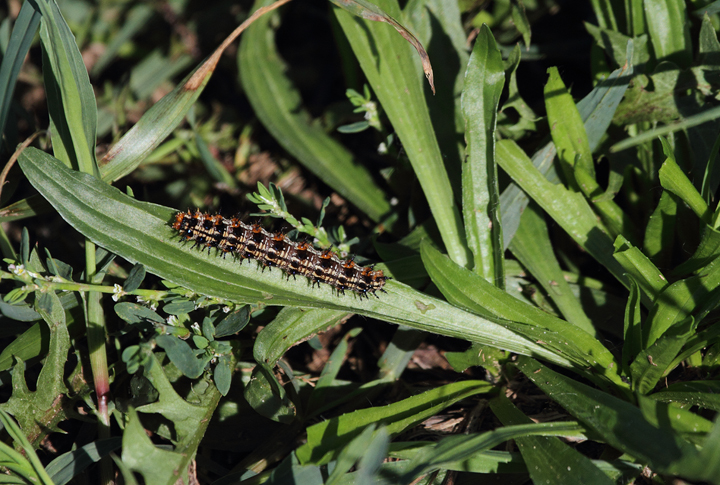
point(140, 233)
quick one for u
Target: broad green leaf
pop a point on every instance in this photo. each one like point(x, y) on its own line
point(134, 313)
point(521, 22)
point(388, 64)
point(669, 33)
point(398, 353)
point(484, 82)
point(326, 382)
point(688, 424)
point(156, 465)
point(233, 322)
point(31, 344)
point(704, 394)
point(374, 456)
point(438, 25)
point(190, 420)
point(278, 105)
point(468, 290)
point(533, 248)
point(139, 232)
point(326, 439)
point(39, 412)
point(548, 459)
point(291, 471)
point(619, 423)
point(615, 44)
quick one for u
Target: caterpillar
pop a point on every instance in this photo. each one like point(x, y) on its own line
point(253, 241)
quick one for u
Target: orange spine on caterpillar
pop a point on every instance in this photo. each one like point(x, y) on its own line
point(252, 241)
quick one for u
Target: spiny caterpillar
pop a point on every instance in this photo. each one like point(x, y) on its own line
point(253, 241)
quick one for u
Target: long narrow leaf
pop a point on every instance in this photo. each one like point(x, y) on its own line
point(140, 232)
point(484, 81)
point(387, 62)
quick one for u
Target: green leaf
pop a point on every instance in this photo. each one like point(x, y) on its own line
point(278, 105)
point(567, 130)
point(350, 455)
point(135, 278)
point(139, 232)
point(388, 64)
point(704, 394)
point(674, 180)
point(222, 374)
point(180, 354)
point(31, 344)
point(569, 209)
point(165, 115)
point(660, 230)
point(156, 465)
point(484, 80)
point(533, 248)
point(458, 448)
point(521, 22)
point(597, 109)
point(39, 412)
point(233, 322)
point(548, 459)
point(291, 326)
point(649, 278)
point(325, 440)
point(695, 296)
point(471, 291)
point(24, 30)
point(179, 307)
point(667, 24)
point(267, 396)
point(619, 423)
point(133, 313)
point(653, 363)
point(31, 467)
point(78, 126)
point(68, 465)
point(632, 332)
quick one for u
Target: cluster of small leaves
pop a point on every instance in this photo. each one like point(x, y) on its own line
point(271, 199)
point(173, 333)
